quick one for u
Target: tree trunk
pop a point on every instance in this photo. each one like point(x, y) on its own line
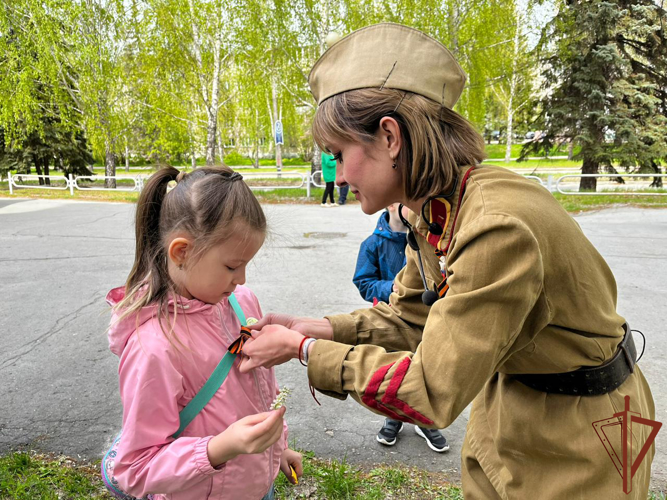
point(38, 168)
point(193, 159)
point(47, 181)
point(210, 139)
point(127, 157)
point(589, 167)
point(510, 120)
point(514, 84)
point(212, 103)
point(657, 181)
point(109, 167)
point(570, 150)
point(213, 109)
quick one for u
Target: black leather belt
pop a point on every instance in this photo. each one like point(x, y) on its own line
point(593, 381)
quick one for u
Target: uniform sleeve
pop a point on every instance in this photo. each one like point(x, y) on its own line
point(368, 277)
point(397, 327)
point(495, 278)
point(149, 459)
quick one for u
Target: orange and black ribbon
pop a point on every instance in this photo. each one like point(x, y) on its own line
point(443, 287)
point(440, 211)
point(236, 347)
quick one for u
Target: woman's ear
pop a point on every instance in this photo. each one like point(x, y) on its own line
point(178, 250)
point(390, 136)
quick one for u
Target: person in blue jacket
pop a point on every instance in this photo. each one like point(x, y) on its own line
point(381, 257)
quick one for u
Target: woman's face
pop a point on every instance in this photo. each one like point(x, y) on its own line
point(367, 168)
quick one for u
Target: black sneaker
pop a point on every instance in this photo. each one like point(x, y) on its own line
point(434, 439)
point(389, 432)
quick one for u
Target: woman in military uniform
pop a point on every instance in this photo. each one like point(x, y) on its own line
point(503, 302)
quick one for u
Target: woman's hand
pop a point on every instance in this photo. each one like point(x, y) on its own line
point(272, 345)
point(312, 327)
point(251, 434)
point(293, 458)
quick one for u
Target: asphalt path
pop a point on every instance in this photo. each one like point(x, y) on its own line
point(58, 259)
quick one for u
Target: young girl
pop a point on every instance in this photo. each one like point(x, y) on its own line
point(171, 326)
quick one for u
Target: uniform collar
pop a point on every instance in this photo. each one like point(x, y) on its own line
point(444, 212)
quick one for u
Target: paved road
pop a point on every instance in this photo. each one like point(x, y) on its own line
point(59, 258)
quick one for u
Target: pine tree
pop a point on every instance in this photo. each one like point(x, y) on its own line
point(54, 146)
point(608, 98)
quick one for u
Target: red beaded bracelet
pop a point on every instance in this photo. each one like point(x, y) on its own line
point(305, 337)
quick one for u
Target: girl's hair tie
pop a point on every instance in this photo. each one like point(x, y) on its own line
point(235, 177)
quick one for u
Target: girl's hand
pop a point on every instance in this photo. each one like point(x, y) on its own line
point(272, 345)
point(293, 458)
point(312, 327)
point(251, 434)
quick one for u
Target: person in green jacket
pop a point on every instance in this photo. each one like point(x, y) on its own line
point(329, 177)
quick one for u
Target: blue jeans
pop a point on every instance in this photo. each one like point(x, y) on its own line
point(342, 195)
point(270, 495)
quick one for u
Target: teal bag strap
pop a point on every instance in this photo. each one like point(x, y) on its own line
point(214, 382)
point(237, 309)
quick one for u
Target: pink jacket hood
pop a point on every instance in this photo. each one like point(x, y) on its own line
point(120, 331)
point(158, 377)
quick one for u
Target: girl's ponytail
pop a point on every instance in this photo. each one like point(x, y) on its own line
point(147, 270)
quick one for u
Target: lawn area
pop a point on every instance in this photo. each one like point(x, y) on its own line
point(29, 476)
point(571, 203)
point(498, 151)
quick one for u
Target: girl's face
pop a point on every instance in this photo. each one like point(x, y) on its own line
point(367, 168)
point(218, 271)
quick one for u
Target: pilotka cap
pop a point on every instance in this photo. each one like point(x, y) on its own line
point(388, 55)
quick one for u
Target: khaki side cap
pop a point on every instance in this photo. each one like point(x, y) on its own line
point(388, 55)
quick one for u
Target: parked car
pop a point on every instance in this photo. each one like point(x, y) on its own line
point(530, 136)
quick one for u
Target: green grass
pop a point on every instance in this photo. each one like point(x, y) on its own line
point(338, 480)
point(498, 151)
point(537, 165)
point(571, 203)
point(574, 203)
point(31, 476)
point(26, 476)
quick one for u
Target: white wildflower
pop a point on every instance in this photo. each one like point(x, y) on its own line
point(280, 398)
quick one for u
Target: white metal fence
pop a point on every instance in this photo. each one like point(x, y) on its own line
point(614, 188)
point(638, 185)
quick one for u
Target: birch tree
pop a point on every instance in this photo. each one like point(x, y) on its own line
point(513, 89)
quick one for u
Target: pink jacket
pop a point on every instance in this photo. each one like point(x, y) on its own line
point(157, 380)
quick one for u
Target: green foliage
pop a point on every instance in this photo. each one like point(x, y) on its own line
point(140, 76)
point(54, 146)
point(606, 84)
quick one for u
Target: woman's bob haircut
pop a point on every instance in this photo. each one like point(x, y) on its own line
point(437, 142)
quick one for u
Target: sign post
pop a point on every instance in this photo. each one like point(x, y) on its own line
point(279, 143)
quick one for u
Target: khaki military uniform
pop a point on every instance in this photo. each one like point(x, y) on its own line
point(528, 293)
